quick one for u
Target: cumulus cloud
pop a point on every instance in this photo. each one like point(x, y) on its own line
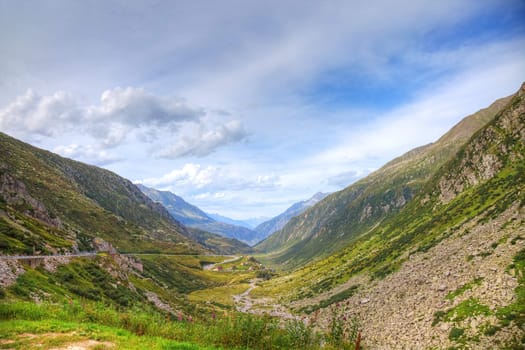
point(135, 107)
point(205, 141)
point(42, 115)
point(211, 179)
point(121, 112)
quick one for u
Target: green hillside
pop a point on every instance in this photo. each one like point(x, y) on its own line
point(49, 203)
point(443, 257)
point(344, 216)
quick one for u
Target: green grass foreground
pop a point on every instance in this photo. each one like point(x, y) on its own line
point(137, 329)
point(44, 334)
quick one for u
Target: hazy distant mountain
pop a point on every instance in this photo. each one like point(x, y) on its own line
point(275, 224)
point(181, 210)
point(248, 223)
point(192, 216)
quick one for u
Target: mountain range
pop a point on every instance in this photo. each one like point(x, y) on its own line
point(345, 215)
point(192, 216)
point(250, 223)
point(52, 204)
point(426, 252)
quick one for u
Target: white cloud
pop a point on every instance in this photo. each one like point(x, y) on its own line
point(120, 113)
point(42, 115)
point(190, 174)
point(196, 179)
point(205, 141)
point(135, 107)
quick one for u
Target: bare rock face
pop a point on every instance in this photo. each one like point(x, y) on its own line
point(103, 246)
point(484, 158)
point(9, 272)
point(159, 304)
point(15, 192)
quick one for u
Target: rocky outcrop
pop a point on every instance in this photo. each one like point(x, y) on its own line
point(9, 272)
point(501, 142)
point(14, 192)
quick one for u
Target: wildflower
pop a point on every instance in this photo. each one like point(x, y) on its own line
point(213, 315)
point(179, 317)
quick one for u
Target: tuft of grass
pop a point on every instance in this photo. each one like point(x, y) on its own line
point(459, 291)
point(456, 333)
point(345, 294)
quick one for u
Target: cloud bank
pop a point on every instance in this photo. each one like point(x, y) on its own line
point(121, 112)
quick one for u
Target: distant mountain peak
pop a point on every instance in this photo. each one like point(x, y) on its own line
point(278, 222)
point(193, 216)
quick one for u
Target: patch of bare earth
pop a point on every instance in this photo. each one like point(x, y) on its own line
point(85, 345)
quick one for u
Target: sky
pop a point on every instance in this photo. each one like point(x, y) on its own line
point(245, 107)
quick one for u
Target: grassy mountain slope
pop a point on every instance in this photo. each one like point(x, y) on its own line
point(50, 203)
point(275, 224)
point(194, 217)
point(344, 216)
point(447, 269)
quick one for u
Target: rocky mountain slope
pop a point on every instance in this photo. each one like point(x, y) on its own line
point(50, 204)
point(447, 270)
point(344, 216)
point(194, 217)
point(275, 224)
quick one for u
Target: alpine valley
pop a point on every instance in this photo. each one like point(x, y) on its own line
point(428, 252)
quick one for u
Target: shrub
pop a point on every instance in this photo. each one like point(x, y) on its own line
point(455, 333)
point(344, 328)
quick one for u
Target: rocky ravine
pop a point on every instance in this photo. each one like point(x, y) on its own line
point(398, 311)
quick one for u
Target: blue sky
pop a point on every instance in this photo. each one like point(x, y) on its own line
point(245, 107)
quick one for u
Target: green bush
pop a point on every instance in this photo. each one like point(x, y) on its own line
point(456, 333)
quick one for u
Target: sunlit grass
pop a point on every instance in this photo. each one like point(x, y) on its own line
point(220, 296)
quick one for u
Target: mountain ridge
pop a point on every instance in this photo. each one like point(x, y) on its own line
point(446, 270)
point(342, 216)
point(77, 203)
point(196, 218)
